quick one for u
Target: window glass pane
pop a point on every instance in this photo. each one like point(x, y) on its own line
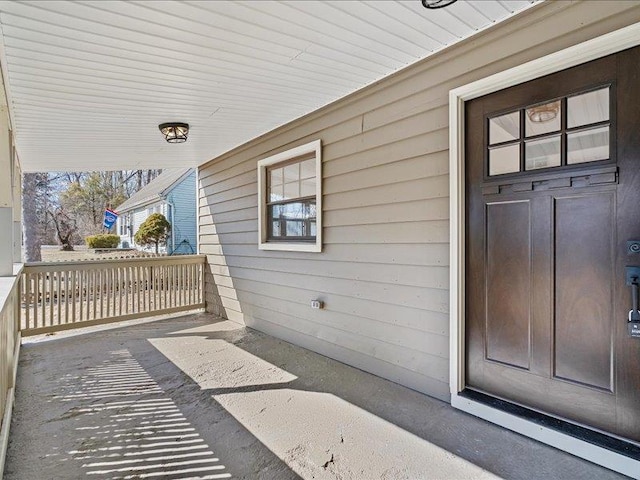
point(295, 219)
point(275, 176)
point(504, 159)
point(276, 193)
point(588, 146)
point(292, 173)
point(504, 128)
point(308, 187)
point(291, 190)
point(541, 119)
point(308, 168)
point(295, 227)
point(542, 153)
point(588, 108)
point(275, 228)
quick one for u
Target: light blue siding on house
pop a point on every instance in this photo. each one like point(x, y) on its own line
point(172, 194)
point(181, 213)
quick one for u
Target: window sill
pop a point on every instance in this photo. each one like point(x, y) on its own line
point(291, 247)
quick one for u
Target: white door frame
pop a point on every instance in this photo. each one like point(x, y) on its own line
point(584, 52)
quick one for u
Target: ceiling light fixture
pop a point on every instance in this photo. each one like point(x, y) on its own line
point(543, 113)
point(174, 132)
point(433, 4)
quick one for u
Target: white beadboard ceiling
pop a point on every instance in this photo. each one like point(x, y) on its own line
point(88, 82)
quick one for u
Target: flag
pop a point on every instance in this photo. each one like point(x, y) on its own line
point(110, 218)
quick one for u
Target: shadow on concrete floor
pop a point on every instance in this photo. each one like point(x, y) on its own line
point(197, 397)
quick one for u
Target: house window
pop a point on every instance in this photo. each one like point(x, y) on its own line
point(290, 204)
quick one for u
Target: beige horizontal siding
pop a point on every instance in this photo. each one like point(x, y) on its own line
point(384, 269)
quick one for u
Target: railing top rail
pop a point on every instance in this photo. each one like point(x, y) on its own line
point(112, 262)
point(7, 287)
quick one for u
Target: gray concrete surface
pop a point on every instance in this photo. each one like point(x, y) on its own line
point(197, 397)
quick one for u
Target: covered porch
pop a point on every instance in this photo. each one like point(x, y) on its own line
point(228, 393)
point(200, 397)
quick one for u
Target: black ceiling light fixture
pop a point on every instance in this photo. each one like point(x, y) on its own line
point(433, 4)
point(174, 132)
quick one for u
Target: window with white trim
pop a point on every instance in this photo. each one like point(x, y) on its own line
point(290, 203)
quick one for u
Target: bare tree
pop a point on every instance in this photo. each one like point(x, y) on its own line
point(66, 228)
point(35, 205)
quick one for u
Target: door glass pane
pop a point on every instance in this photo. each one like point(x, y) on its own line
point(504, 128)
point(542, 153)
point(504, 159)
point(588, 146)
point(541, 119)
point(588, 108)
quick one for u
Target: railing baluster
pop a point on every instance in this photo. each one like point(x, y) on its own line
point(190, 283)
point(119, 283)
point(114, 277)
point(158, 297)
point(58, 281)
point(100, 295)
point(94, 288)
point(180, 285)
point(183, 274)
point(50, 292)
point(66, 300)
point(174, 291)
point(127, 287)
point(74, 296)
point(164, 285)
point(26, 290)
point(81, 284)
point(108, 292)
point(42, 280)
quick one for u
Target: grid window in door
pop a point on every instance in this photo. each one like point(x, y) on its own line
point(564, 131)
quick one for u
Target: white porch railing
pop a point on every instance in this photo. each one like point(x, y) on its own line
point(9, 345)
point(64, 295)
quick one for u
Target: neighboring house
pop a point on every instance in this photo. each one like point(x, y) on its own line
point(173, 194)
point(362, 205)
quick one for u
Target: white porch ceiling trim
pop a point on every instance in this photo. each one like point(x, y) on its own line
point(88, 82)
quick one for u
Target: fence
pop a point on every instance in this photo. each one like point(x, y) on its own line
point(62, 295)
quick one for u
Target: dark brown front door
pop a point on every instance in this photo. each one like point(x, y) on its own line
point(553, 197)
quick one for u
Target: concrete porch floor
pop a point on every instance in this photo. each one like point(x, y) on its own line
point(198, 397)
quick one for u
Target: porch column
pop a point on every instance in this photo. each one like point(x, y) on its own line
point(6, 197)
point(17, 207)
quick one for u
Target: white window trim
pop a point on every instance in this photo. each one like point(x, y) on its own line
point(263, 244)
point(607, 44)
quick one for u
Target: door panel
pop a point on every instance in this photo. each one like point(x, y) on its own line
point(546, 300)
point(584, 278)
point(508, 284)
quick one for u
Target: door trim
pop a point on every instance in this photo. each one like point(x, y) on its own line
point(604, 45)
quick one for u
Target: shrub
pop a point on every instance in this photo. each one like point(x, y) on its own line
point(103, 241)
point(153, 231)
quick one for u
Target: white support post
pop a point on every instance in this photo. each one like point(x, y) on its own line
point(6, 197)
point(17, 208)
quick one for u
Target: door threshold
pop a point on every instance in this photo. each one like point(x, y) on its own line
point(609, 452)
